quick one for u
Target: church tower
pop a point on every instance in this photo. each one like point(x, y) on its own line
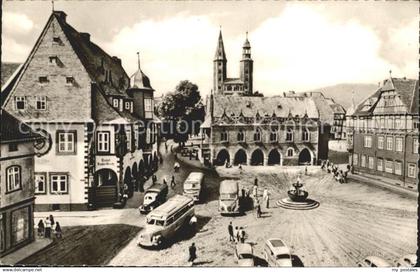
point(247, 67)
point(219, 66)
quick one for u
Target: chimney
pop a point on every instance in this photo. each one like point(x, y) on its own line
point(61, 14)
point(116, 60)
point(85, 36)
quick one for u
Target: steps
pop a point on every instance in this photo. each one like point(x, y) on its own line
point(308, 204)
point(105, 196)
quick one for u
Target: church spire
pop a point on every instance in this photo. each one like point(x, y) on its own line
point(220, 51)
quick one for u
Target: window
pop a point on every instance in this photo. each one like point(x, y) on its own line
point(69, 80)
point(389, 123)
point(40, 183)
point(388, 166)
point(363, 160)
point(59, 183)
point(66, 142)
point(148, 108)
point(398, 167)
point(115, 103)
point(289, 135)
point(371, 162)
point(398, 123)
point(257, 135)
point(43, 79)
point(382, 122)
point(368, 141)
point(127, 105)
point(20, 102)
point(56, 40)
point(389, 143)
point(415, 145)
point(411, 170)
point(13, 178)
point(103, 141)
point(20, 225)
point(273, 135)
point(380, 142)
point(241, 136)
point(305, 135)
point(13, 147)
point(223, 136)
point(290, 152)
point(355, 159)
point(53, 60)
point(380, 164)
point(41, 102)
point(398, 144)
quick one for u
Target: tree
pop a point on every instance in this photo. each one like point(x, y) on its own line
point(184, 106)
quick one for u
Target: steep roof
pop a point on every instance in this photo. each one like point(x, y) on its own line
point(8, 85)
point(220, 50)
point(13, 130)
point(326, 113)
point(250, 105)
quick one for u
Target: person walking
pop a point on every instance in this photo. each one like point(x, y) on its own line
point(58, 232)
point(266, 198)
point(193, 253)
point(258, 208)
point(242, 235)
point(173, 182)
point(52, 220)
point(47, 227)
point(236, 234)
point(154, 179)
point(230, 230)
point(164, 181)
point(41, 228)
point(256, 182)
point(255, 191)
point(160, 160)
point(193, 222)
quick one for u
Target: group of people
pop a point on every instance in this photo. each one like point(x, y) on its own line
point(48, 227)
point(236, 234)
point(339, 174)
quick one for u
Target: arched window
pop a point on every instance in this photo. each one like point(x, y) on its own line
point(305, 135)
point(289, 135)
point(257, 135)
point(290, 152)
point(13, 178)
point(273, 135)
point(223, 136)
point(241, 136)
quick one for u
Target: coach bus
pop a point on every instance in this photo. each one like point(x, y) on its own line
point(229, 197)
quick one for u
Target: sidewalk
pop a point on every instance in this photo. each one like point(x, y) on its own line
point(26, 251)
point(384, 183)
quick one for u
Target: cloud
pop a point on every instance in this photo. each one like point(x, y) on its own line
point(16, 23)
point(13, 51)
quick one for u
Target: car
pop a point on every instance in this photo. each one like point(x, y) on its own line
point(373, 261)
point(244, 254)
point(409, 260)
point(277, 253)
point(154, 196)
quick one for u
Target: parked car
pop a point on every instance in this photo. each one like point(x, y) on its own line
point(244, 254)
point(277, 253)
point(193, 185)
point(373, 261)
point(409, 260)
point(154, 196)
point(229, 197)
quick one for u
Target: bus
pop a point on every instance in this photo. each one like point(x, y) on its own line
point(154, 196)
point(193, 185)
point(163, 222)
point(229, 197)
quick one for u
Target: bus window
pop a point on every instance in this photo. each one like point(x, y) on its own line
point(160, 222)
point(169, 221)
point(151, 221)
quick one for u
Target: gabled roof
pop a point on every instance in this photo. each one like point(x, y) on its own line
point(13, 130)
point(251, 105)
point(8, 85)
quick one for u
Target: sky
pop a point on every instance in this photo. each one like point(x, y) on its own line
point(296, 45)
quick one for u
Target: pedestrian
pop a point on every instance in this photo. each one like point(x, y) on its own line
point(193, 222)
point(193, 253)
point(242, 235)
point(236, 234)
point(256, 182)
point(164, 181)
point(173, 181)
point(190, 155)
point(154, 179)
point(58, 232)
point(266, 198)
point(230, 230)
point(160, 159)
point(166, 146)
point(47, 227)
point(306, 170)
point(41, 228)
point(255, 191)
point(52, 220)
point(240, 167)
point(243, 193)
point(258, 208)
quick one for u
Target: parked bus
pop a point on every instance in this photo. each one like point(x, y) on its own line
point(163, 222)
point(193, 185)
point(154, 196)
point(229, 197)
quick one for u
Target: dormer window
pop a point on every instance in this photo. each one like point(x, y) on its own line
point(54, 60)
point(43, 79)
point(69, 80)
point(56, 40)
point(115, 102)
